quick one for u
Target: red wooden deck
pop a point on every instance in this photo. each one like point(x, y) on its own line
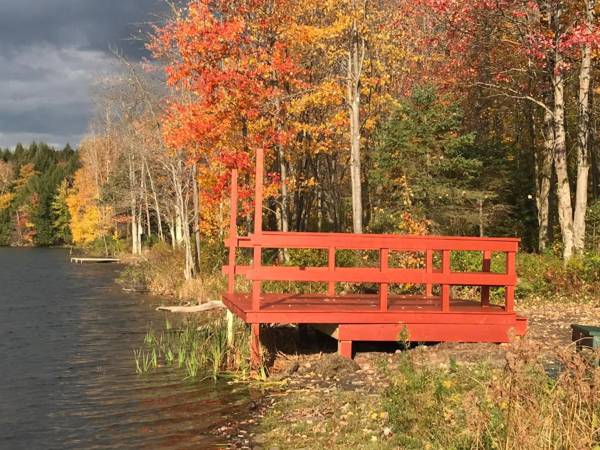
point(374, 317)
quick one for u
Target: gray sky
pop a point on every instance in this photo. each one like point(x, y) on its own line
point(50, 53)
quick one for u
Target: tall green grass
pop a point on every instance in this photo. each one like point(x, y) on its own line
point(199, 349)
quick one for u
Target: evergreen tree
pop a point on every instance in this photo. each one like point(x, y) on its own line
point(61, 214)
point(426, 164)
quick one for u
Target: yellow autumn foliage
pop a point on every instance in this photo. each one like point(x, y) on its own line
point(5, 200)
point(86, 216)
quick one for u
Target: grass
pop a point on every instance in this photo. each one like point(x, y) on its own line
point(199, 349)
point(468, 406)
point(317, 420)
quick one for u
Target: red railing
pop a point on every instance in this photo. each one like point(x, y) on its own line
point(384, 275)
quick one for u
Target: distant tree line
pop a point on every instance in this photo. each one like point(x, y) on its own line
point(441, 117)
point(34, 184)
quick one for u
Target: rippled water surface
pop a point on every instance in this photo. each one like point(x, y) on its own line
point(67, 373)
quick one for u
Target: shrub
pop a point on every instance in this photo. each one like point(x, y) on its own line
point(519, 406)
point(548, 275)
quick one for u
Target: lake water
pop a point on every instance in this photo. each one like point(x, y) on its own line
point(67, 372)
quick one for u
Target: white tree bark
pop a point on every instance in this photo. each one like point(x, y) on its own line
point(136, 247)
point(583, 132)
point(355, 62)
point(563, 189)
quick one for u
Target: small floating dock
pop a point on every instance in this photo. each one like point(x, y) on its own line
point(94, 260)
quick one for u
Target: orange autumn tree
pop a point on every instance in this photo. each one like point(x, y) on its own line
point(232, 74)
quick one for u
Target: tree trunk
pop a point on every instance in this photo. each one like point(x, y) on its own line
point(196, 198)
point(146, 204)
point(355, 60)
point(481, 218)
point(583, 133)
point(285, 220)
point(563, 189)
point(172, 231)
point(161, 234)
point(282, 211)
point(135, 234)
point(544, 178)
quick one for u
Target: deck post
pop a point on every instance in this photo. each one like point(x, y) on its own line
point(258, 223)
point(383, 287)
point(331, 267)
point(509, 293)
point(428, 271)
point(445, 287)
point(487, 267)
point(233, 210)
point(345, 349)
point(255, 356)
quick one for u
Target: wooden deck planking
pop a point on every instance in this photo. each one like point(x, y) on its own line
point(359, 316)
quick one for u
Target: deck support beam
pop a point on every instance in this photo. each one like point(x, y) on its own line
point(255, 354)
point(345, 349)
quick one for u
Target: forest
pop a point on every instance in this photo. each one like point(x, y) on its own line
point(34, 184)
point(426, 117)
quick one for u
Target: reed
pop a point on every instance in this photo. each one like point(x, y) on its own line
point(198, 348)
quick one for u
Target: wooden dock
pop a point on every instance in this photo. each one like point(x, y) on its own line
point(434, 315)
point(95, 260)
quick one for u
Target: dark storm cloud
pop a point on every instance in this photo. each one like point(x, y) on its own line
point(84, 24)
point(50, 53)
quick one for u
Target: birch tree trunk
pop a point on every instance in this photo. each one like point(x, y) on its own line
point(282, 211)
point(583, 133)
point(285, 217)
point(563, 189)
point(156, 206)
point(196, 199)
point(146, 203)
point(135, 232)
point(355, 62)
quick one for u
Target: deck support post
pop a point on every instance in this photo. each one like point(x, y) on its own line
point(446, 287)
point(233, 210)
point(255, 356)
point(487, 267)
point(428, 271)
point(345, 349)
point(258, 224)
point(509, 293)
point(331, 267)
point(383, 287)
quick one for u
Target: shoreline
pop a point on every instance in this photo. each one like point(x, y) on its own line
point(300, 377)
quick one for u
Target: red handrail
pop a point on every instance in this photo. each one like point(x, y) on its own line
point(383, 243)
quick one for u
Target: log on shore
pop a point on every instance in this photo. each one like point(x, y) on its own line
point(210, 306)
